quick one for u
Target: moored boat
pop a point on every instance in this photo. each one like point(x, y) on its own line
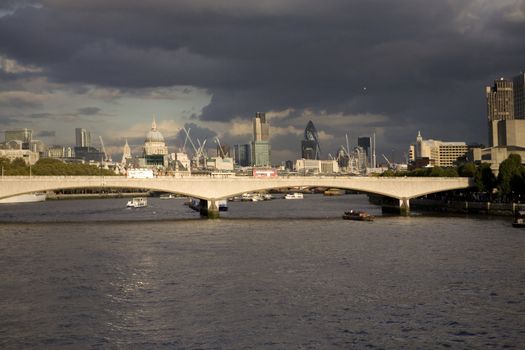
point(295, 195)
point(519, 219)
point(137, 202)
point(357, 216)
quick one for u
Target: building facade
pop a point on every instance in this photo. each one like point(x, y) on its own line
point(82, 137)
point(519, 96)
point(260, 147)
point(439, 153)
point(242, 154)
point(500, 106)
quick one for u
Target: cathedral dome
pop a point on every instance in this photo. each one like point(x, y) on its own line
point(154, 135)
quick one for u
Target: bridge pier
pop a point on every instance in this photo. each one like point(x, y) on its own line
point(209, 209)
point(404, 206)
point(391, 205)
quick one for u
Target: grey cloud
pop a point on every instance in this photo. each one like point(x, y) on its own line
point(424, 63)
point(46, 133)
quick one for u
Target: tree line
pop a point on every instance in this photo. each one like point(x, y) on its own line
point(510, 182)
point(49, 166)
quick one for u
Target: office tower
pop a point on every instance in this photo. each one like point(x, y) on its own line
point(365, 142)
point(260, 146)
point(23, 135)
point(261, 154)
point(500, 106)
point(242, 154)
point(310, 148)
point(261, 129)
point(519, 96)
point(83, 137)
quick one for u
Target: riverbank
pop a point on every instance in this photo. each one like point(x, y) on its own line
point(465, 207)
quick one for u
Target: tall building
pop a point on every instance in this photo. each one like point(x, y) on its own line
point(365, 142)
point(261, 129)
point(23, 135)
point(83, 137)
point(519, 96)
point(310, 148)
point(242, 154)
point(261, 154)
point(261, 149)
point(500, 106)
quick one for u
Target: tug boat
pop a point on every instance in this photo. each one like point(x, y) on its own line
point(137, 202)
point(357, 216)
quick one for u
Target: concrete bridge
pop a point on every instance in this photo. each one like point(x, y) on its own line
point(210, 189)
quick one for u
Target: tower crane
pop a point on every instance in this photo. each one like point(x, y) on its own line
point(107, 157)
point(220, 146)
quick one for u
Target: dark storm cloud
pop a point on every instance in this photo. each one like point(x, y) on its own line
point(423, 63)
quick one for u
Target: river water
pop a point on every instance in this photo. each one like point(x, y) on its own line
point(282, 274)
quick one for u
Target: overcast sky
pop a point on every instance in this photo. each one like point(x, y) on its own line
point(355, 67)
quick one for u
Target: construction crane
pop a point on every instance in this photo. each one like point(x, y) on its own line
point(107, 157)
point(220, 146)
point(390, 164)
point(199, 152)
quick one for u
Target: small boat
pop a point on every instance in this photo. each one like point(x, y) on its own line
point(357, 215)
point(334, 192)
point(295, 195)
point(257, 198)
point(137, 202)
point(167, 196)
point(267, 196)
point(519, 219)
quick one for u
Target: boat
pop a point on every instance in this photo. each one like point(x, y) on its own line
point(334, 192)
point(223, 204)
point(357, 215)
point(257, 198)
point(25, 198)
point(267, 196)
point(137, 202)
point(167, 196)
point(295, 195)
point(519, 219)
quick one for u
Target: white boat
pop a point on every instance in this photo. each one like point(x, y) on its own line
point(267, 196)
point(25, 198)
point(137, 202)
point(295, 195)
point(257, 198)
point(167, 196)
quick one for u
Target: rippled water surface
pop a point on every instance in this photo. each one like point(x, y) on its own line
point(269, 275)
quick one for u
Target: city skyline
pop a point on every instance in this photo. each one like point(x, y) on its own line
point(352, 67)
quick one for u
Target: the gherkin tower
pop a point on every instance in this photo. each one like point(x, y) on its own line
point(310, 148)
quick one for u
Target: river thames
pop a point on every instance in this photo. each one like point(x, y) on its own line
point(281, 274)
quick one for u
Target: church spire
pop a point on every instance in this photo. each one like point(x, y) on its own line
point(153, 124)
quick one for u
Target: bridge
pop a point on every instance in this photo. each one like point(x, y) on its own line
point(210, 189)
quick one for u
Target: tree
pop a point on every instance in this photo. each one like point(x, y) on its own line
point(484, 178)
point(508, 169)
point(467, 170)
